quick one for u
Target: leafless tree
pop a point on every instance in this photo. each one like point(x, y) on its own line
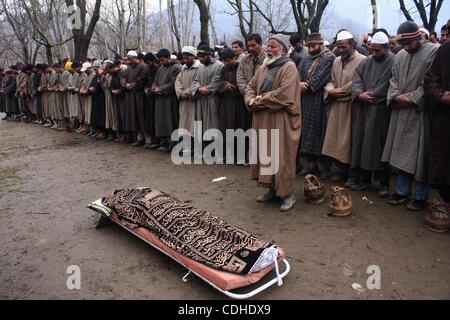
point(429, 18)
point(82, 36)
point(204, 19)
point(307, 16)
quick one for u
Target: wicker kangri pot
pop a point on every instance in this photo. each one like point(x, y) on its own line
point(314, 191)
point(341, 202)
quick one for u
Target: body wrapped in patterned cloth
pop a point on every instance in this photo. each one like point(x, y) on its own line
point(196, 234)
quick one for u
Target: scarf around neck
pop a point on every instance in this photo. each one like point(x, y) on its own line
point(273, 68)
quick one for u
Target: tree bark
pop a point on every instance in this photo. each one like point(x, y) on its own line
point(82, 37)
point(204, 20)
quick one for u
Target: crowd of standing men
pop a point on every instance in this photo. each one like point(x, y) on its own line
point(354, 113)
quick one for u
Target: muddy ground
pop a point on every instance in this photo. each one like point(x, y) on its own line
point(47, 179)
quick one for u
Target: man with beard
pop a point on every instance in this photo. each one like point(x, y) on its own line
point(338, 138)
point(205, 88)
point(408, 141)
point(135, 112)
point(315, 73)
point(183, 88)
point(371, 116)
point(299, 52)
point(166, 103)
point(153, 67)
point(273, 97)
point(437, 86)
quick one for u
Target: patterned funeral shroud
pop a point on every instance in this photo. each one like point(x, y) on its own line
point(196, 234)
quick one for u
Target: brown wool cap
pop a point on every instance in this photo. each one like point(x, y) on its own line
point(314, 38)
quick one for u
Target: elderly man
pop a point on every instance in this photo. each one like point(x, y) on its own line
point(273, 96)
point(338, 138)
point(437, 86)
point(183, 88)
point(371, 115)
point(408, 140)
point(315, 73)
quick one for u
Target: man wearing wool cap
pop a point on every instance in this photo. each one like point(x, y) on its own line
point(273, 96)
point(409, 131)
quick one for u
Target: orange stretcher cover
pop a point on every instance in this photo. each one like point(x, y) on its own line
point(224, 280)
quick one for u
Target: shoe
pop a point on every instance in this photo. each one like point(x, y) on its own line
point(268, 197)
point(154, 146)
point(5, 118)
point(326, 175)
point(307, 171)
point(48, 125)
point(140, 143)
point(164, 149)
point(417, 205)
point(361, 186)
point(288, 203)
point(398, 200)
point(383, 192)
point(101, 136)
point(352, 182)
point(338, 177)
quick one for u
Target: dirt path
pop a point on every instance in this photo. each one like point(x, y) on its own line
point(48, 178)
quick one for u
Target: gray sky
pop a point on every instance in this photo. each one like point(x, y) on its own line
point(358, 14)
point(389, 12)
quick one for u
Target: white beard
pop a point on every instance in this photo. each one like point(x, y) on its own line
point(268, 61)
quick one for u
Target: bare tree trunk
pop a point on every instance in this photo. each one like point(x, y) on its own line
point(82, 38)
point(144, 25)
point(173, 23)
point(204, 20)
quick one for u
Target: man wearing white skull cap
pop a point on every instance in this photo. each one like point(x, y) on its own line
point(371, 116)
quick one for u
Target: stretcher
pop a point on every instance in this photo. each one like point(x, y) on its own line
point(234, 286)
